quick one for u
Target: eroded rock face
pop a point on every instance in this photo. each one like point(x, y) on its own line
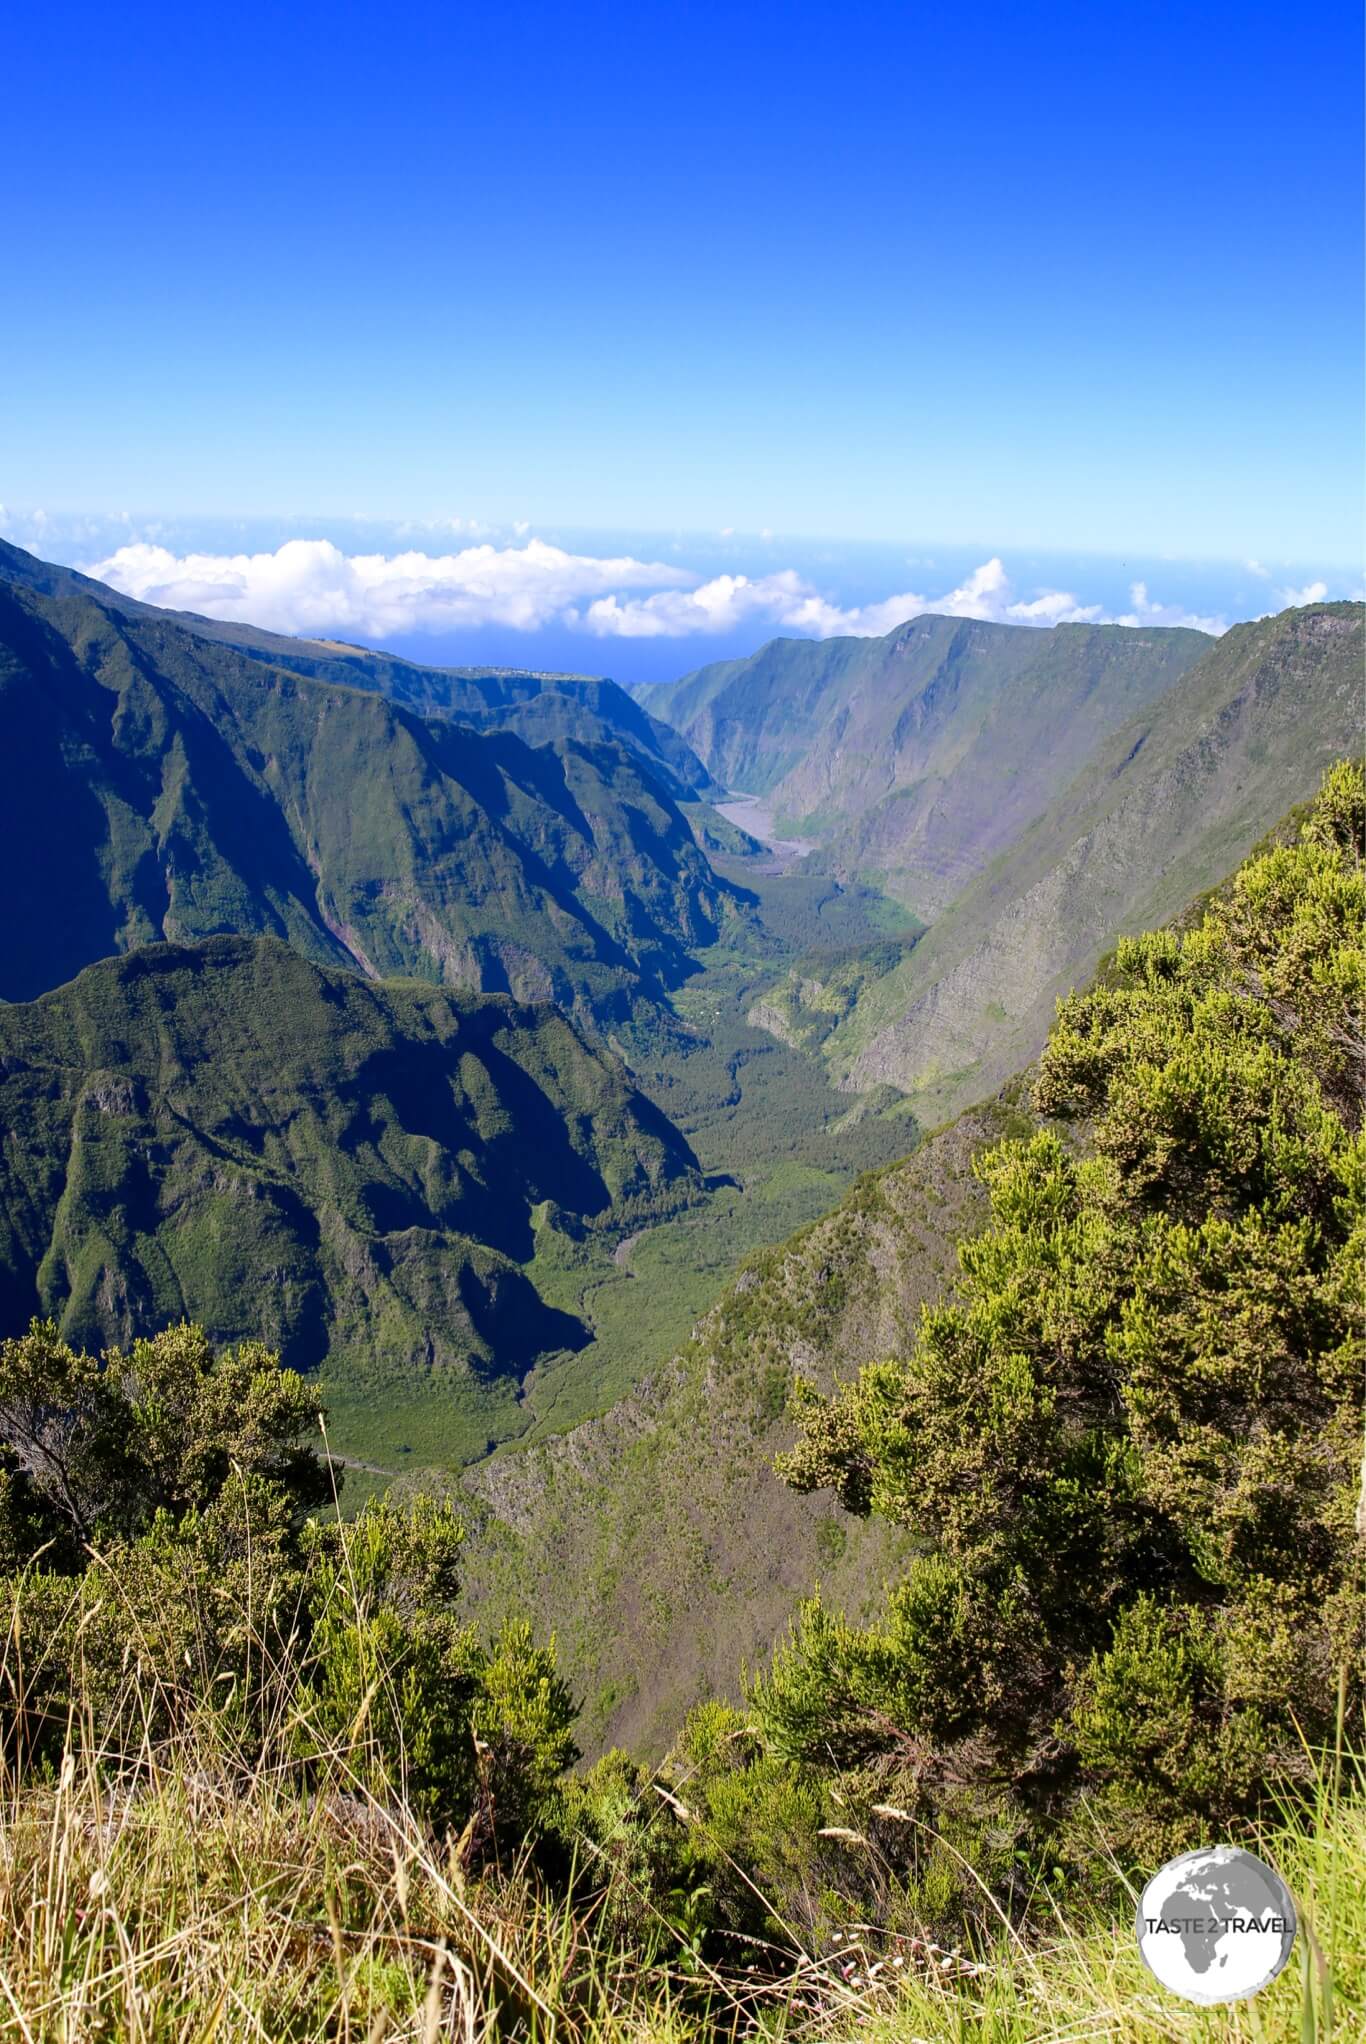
point(921, 755)
point(1163, 816)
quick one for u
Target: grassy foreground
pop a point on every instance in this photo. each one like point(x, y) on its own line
point(175, 1896)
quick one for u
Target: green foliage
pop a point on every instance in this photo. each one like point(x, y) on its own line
point(197, 1120)
point(623, 1535)
point(1159, 1721)
point(355, 1627)
point(391, 1673)
point(190, 1583)
point(111, 1444)
point(751, 1824)
point(1130, 1443)
point(625, 1843)
point(523, 1722)
point(399, 1684)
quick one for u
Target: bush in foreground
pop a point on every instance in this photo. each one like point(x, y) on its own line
point(1131, 1442)
point(169, 1571)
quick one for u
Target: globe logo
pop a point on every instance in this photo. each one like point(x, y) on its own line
point(1216, 1925)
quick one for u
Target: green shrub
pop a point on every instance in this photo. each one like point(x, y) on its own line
point(101, 1446)
point(163, 1570)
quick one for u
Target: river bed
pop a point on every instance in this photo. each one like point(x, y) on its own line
point(753, 814)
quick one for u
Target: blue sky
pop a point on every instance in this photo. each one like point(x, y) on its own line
point(1011, 283)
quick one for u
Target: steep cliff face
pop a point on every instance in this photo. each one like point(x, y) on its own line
point(1163, 811)
point(354, 1173)
point(159, 784)
point(916, 758)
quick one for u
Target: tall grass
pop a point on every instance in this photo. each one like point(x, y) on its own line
point(193, 1879)
point(1065, 1982)
point(192, 1885)
point(173, 1902)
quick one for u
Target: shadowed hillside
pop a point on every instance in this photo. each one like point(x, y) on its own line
point(228, 1132)
point(539, 707)
point(159, 784)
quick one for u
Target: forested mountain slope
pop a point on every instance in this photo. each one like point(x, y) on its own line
point(1129, 1444)
point(158, 784)
point(1118, 1462)
point(537, 706)
point(915, 758)
point(231, 1133)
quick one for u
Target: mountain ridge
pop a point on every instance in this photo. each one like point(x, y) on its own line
point(180, 788)
point(913, 758)
point(1166, 807)
point(538, 705)
point(1034, 846)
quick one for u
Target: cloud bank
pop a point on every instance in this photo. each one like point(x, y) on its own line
point(1146, 612)
point(313, 588)
point(787, 602)
point(310, 586)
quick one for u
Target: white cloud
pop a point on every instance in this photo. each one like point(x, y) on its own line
point(719, 605)
point(311, 586)
point(785, 602)
point(1256, 568)
point(1312, 592)
point(1146, 612)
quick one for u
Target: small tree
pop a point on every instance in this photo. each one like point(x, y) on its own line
point(182, 1585)
point(95, 1449)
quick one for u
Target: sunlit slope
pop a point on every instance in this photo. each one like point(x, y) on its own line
point(158, 784)
point(916, 757)
point(1164, 809)
point(686, 1552)
point(657, 1540)
point(230, 1132)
